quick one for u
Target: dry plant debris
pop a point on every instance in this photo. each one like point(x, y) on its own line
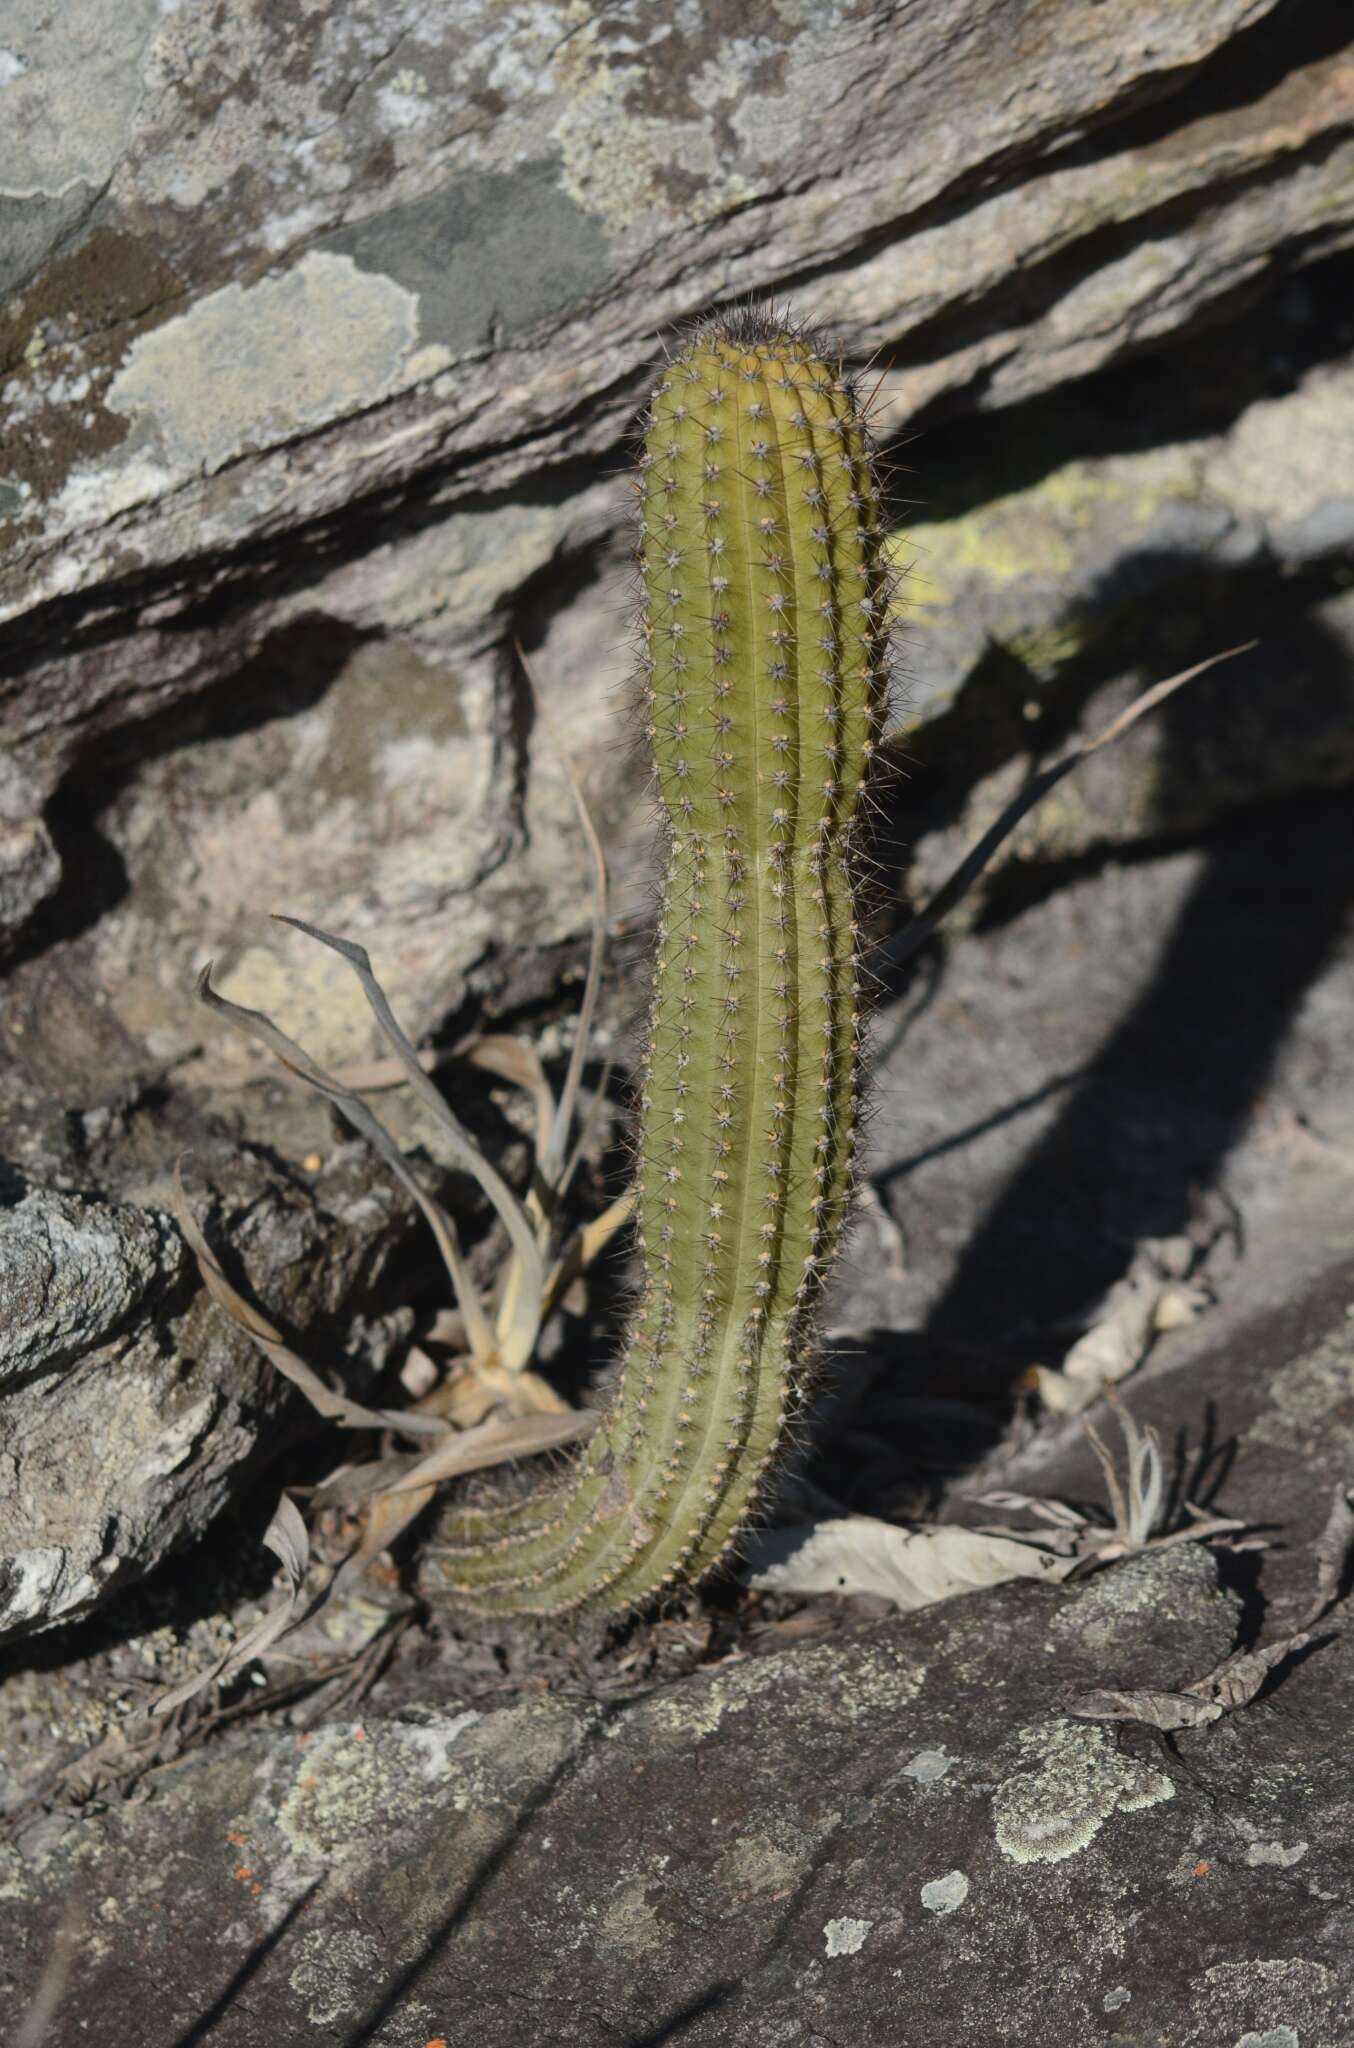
point(489, 1407)
point(917, 1567)
point(1237, 1680)
point(1160, 1291)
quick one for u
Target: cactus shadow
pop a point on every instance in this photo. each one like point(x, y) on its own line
point(1169, 1091)
point(1146, 1120)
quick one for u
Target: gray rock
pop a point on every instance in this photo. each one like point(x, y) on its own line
point(893, 1835)
point(130, 1410)
point(72, 1274)
point(289, 482)
point(30, 867)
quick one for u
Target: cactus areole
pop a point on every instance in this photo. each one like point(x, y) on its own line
point(763, 629)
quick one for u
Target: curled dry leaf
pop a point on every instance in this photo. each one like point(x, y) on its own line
point(287, 1538)
point(1239, 1678)
point(495, 1442)
point(1331, 1553)
point(395, 1491)
point(1164, 1710)
point(911, 1567)
point(1236, 1681)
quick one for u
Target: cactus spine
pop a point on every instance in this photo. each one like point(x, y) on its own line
point(763, 633)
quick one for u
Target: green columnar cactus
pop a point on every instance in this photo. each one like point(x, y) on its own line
point(763, 629)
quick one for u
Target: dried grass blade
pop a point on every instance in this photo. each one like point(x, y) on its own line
point(517, 1323)
point(589, 1125)
point(388, 1516)
point(467, 1153)
point(369, 1077)
point(512, 1059)
point(966, 874)
point(1118, 1505)
point(497, 1443)
point(552, 1160)
point(334, 1407)
point(350, 1486)
point(264, 1032)
point(289, 1542)
point(593, 1238)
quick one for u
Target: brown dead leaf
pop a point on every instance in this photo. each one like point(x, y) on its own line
point(1164, 1710)
point(498, 1442)
point(1330, 1553)
point(1239, 1678)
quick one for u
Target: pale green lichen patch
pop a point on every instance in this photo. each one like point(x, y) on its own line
point(846, 1937)
point(876, 1683)
point(928, 1766)
point(512, 1753)
point(1303, 1979)
point(1078, 1780)
point(248, 366)
point(945, 1894)
point(351, 1783)
point(770, 1860)
point(1275, 1854)
point(335, 1973)
point(630, 1921)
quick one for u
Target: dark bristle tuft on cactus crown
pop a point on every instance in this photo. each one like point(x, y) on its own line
point(763, 636)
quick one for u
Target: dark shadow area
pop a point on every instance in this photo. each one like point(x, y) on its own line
point(1151, 1120)
point(491, 1865)
point(1170, 1091)
point(1147, 1120)
point(203, 2027)
point(1279, 713)
point(698, 2008)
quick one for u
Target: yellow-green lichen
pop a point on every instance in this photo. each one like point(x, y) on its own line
point(351, 1783)
point(1078, 1779)
point(876, 1683)
point(335, 1972)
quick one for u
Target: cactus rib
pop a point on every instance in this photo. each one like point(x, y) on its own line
point(763, 635)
